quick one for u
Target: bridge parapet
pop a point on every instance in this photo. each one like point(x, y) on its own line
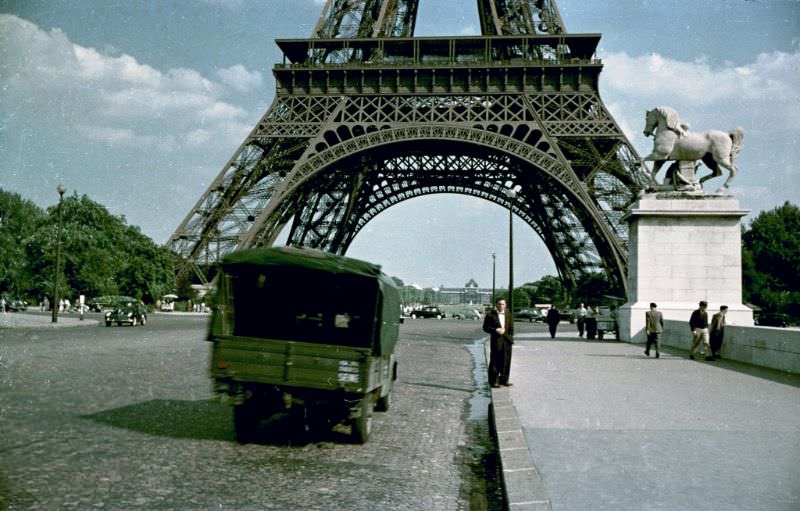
point(763, 346)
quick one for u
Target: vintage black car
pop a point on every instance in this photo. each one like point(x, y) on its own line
point(529, 315)
point(428, 311)
point(127, 313)
point(467, 313)
point(17, 305)
point(307, 333)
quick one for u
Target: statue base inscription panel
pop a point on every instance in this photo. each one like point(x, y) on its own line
point(683, 248)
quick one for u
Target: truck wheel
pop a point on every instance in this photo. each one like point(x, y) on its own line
point(384, 402)
point(244, 422)
point(362, 425)
point(108, 323)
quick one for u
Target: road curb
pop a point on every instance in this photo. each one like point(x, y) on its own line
point(522, 485)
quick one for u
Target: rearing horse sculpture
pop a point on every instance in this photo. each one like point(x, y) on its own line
point(673, 141)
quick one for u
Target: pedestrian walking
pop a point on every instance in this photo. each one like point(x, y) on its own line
point(553, 318)
point(581, 320)
point(495, 323)
point(591, 322)
point(717, 330)
point(698, 323)
point(654, 326)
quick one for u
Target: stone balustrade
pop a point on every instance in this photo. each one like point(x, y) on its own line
point(772, 347)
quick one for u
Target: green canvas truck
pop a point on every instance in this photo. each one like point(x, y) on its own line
point(304, 332)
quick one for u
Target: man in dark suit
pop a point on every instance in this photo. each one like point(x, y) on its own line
point(500, 341)
point(717, 330)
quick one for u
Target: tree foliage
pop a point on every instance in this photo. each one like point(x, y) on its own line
point(771, 260)
point(18, 220)
point(100, 253)
point(548, 289)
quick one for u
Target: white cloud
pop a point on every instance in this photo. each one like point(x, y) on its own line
point(239, 78)
point(762, 96)
point(114, 99)
point(773, 76)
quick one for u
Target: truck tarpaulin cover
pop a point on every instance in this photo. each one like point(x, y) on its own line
point(312, 296)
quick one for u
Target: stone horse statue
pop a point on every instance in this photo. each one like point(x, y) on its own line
point(674, 141)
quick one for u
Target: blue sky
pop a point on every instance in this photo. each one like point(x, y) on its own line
point(138, 104)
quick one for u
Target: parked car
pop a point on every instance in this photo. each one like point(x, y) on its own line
point(772, 319)
point(606, 322)
point(17, 305)
point(467, 313)
point(566, 315)
point(529, 315)
point(127, 313)
point(104, 303)
point(428, 311)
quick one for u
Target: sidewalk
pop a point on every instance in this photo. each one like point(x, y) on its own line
point(29, 320)
point(592, 425)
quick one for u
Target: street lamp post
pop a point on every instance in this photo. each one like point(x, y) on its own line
point(494, 257)
point(511, 193)
point(57, 277)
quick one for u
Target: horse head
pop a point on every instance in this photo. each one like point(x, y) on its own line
point(650, 122)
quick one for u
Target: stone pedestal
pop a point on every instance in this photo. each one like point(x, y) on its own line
point(683, 248)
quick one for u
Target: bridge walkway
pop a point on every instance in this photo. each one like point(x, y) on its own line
point(597, 425)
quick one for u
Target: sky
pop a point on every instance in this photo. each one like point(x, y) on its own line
point(139, 104)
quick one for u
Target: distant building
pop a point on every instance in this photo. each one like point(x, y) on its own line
point(469, 294)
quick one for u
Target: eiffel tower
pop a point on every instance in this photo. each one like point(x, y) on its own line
point(366, 115)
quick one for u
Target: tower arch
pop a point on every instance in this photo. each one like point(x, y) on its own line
point(327, 207)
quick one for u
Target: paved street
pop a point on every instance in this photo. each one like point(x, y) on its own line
point(120, 418)
point(610, 429)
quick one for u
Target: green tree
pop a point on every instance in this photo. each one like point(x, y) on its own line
point(548, 289)
point(18, 220)
point(771, 260)
point(101, 254)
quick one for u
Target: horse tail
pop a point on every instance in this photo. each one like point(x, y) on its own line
point(737, 137)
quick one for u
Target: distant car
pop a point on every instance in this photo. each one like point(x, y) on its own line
point(772, 319)
point(566, 315)
point(467, 314)
point(428, 311)
point(105, 303)
point(17, 305)
point(127, 313)
point(529, 315)
point(606, 322)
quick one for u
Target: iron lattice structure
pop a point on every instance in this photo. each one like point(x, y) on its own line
point(366, 116)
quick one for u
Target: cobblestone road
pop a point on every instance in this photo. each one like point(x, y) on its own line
point(121, 418)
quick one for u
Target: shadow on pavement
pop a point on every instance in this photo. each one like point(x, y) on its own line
point(208, 420)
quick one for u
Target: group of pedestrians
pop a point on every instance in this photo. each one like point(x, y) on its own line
point(709, 334)
point(501, 332)
point(710, 337)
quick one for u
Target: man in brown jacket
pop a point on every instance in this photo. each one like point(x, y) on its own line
point(654, 326)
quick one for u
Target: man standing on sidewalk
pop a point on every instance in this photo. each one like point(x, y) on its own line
point(654, 326)
point(500, 343)
point(717, 331)
point(698, 323)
